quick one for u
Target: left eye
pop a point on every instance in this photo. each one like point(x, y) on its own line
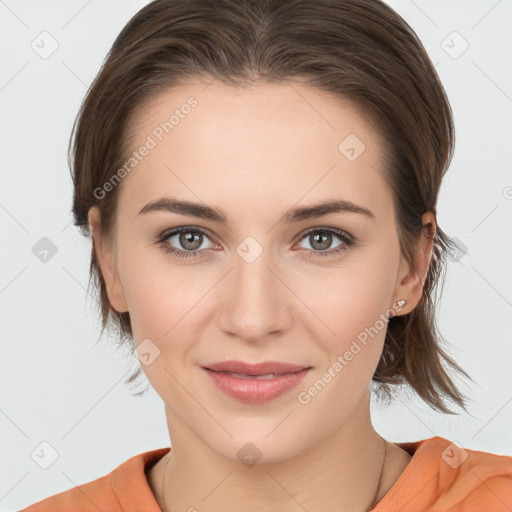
point(322, 237)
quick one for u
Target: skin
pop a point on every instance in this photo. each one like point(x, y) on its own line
point(255, 153)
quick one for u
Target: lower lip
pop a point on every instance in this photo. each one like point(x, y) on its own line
point(256, 391)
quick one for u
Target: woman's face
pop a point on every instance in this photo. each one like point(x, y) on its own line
point(266, 285)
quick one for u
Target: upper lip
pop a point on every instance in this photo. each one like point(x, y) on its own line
point(264, 368)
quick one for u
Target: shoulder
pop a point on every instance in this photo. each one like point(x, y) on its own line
point(95, 495)
point(123, 488)
point(444, 476)
point(475, 479)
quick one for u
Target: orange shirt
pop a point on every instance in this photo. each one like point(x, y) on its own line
point(440, 477)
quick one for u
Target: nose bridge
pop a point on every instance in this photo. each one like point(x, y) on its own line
point(256, 304)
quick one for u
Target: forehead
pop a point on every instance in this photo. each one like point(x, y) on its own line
point(277, 142)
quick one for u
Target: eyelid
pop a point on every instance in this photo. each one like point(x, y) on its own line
point(180, 229)
point(337, 231)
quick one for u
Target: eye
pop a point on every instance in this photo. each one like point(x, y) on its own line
point(321, 239)
point(189, 238)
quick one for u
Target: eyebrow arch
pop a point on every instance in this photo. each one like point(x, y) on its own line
point(293, 215)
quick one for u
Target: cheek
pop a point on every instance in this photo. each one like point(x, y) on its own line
point(356, 292)
point(351, 306)
point(163, 302)
point(163, 298)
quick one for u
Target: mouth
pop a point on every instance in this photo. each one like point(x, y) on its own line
point(267, 369)
point(245, 376)
point(257, 385)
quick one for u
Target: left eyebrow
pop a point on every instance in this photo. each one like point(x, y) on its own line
point(292, 215)
point(325, 208)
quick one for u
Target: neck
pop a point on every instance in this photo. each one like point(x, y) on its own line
point(341, 472)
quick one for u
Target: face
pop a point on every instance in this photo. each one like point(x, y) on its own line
point(265, 285)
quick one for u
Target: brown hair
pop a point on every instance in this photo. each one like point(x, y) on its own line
point(360, 50)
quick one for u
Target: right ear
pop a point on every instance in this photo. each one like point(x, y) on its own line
point(106, 262)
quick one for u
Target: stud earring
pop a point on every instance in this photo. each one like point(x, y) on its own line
point(399, 304)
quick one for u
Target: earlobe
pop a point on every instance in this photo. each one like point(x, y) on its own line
point(410, 287)
point(106, 262)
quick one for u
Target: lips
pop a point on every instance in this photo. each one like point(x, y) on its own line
point(258, 383)
point(246, 369)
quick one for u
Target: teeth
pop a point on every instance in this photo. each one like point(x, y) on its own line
point(260, 377)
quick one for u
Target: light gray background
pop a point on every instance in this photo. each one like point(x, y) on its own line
point(58, 386)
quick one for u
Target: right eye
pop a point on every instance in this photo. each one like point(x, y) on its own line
point(190, 238)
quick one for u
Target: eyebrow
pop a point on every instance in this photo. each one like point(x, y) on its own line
point(293, 215)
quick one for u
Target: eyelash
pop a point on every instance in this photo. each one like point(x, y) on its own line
point(348, 241)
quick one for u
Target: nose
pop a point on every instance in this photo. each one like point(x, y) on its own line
point(255, 302)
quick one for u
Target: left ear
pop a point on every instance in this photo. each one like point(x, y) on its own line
point(411, 279)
